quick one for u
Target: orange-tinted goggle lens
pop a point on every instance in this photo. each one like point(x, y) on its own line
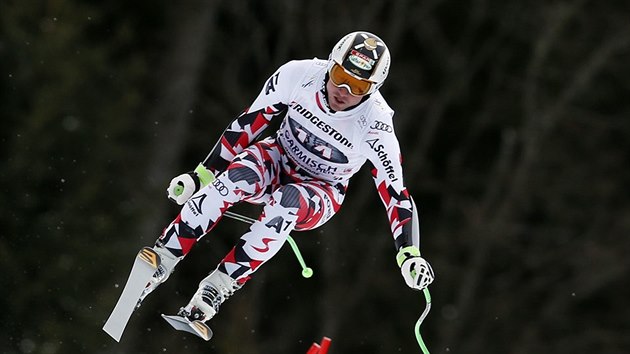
point(340, 77)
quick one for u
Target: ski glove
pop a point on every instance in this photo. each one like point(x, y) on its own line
point(185, 185)
point(415, 270)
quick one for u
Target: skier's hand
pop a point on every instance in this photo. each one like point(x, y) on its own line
point(415, 270)
point(185, 185)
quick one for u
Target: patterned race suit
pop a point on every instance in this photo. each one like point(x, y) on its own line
point(300, 174)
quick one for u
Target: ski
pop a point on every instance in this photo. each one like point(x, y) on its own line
point(195, 327)
point(144, 266)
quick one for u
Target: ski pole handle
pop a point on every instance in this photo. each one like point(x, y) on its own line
point(201, 173)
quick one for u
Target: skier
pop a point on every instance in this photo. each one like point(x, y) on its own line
point(333, 119)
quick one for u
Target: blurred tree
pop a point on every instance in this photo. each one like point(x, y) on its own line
point(73, 93)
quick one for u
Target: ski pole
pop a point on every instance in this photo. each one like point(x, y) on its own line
point(307, 272)
point(427, 298)
point(415, 232)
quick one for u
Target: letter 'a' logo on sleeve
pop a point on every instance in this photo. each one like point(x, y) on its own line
point(270, 86)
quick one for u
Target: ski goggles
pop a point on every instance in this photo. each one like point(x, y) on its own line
point(340, 78)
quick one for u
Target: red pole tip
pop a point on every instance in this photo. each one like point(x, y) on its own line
point(325, 345)
point(314, 349)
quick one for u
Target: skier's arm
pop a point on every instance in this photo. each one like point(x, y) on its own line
point(381, 148)
point(241, 133)
point(271, 102)
point(383, 151)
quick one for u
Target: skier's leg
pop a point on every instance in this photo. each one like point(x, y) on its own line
point(247, 176)
point(244, 178)
point(299, 206)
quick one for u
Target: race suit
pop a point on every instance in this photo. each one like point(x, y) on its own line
point(300, 174)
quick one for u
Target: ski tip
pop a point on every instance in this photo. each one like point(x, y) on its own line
point(197, 328)
point(202, 330)
point(112, 333)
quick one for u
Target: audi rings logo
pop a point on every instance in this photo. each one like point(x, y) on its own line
point(378, 125)
point(220, 187)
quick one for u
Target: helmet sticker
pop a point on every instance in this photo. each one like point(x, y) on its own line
point(360, 60)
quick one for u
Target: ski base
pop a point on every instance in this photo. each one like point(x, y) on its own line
point(196, 327)
point(144, 266)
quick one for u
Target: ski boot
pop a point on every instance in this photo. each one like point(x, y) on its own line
point(167, 264)
point(213, 291)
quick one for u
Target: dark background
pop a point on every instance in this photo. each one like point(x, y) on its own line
point(513, 119)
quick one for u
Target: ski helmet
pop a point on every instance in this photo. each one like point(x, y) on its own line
point(363, 56)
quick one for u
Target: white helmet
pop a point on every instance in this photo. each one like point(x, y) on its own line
point(364, 56)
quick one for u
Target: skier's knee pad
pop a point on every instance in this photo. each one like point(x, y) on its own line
point(244, 169)
point(289, 196)
point(313, 206)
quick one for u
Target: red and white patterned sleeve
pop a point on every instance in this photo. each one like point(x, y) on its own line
point(270, 103)
point(382, 149)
